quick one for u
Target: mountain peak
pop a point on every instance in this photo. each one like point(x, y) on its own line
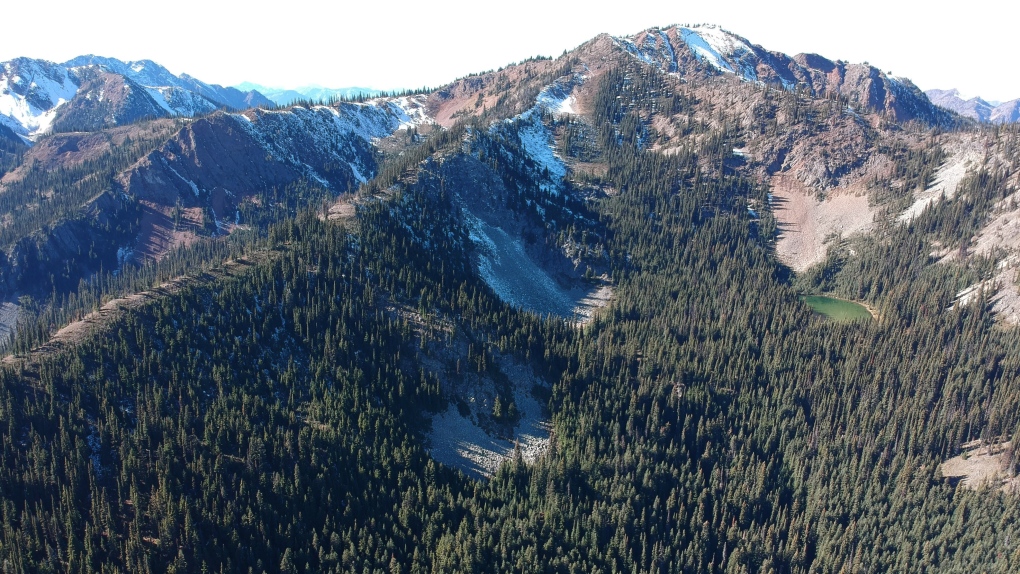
point(708, 50)
point(36, 95)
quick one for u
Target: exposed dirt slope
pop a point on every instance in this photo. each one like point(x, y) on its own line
point(983, 465)
point(809, 224)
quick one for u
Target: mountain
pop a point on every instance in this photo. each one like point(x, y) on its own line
point(30, 92)
point(687, 49)
point(135, 193)
point(1006, 113)
point(976, 108)
point(91, 92)
point(105, 99)
point(154, 76)
point(314, 93)
point(582, 314)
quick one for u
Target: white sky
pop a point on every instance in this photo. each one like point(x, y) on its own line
point(393, 44)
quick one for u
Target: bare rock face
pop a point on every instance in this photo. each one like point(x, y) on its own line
point(208, 153)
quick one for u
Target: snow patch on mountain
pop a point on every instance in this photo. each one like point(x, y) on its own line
point(557, 98)
point(366, 121)
point(158, 97)
point(191, 184)
point(180, 102)
point(965, 156)
point(704, 50)
point(327, 127)
point(537, 142)
point(654, 50)
point(409, 110)
point(30, 93)
point(722, 50)
point(710, 44)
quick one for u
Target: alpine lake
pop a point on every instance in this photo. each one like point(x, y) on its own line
point(837, 309)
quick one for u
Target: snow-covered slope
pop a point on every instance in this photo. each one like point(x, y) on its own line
point(723, 50)
point(537, 142)
point(152, 75)
point(558, 98)
point(709, 44)
point(30, 92)
point(33, 91)
point(180, 102)
point(285, 133)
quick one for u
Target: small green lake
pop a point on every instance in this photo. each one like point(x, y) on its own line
point(836, 309)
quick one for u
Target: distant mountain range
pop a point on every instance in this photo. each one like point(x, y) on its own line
point(93, 92)
point(976, 108)
point(285, 97)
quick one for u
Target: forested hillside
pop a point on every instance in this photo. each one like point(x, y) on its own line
point(280, 417)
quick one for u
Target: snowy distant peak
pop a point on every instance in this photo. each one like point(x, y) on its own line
point(223, 97)
point(98, 92)
point(30, 92)
point(976, 108)
point(152, 75)
point(313, 93)
point(40, 82)
point(104, 99)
